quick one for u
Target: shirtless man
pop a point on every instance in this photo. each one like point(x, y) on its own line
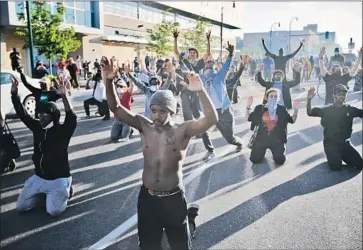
point(161, 203)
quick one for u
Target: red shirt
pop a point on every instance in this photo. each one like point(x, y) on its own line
point(125, 100)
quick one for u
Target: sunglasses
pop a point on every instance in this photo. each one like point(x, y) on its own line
point(154, 82)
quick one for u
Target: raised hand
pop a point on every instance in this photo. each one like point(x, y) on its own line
point(311, 93)
point(195, 83)
point(14, 86)
point(296, 105)
point(322, 52)
point(208, 35)
point(230, 48)
point(245, 59)
point(249, 101)
point(61, 91)
point(175, 33)
point(109, 70)
point(262, 40)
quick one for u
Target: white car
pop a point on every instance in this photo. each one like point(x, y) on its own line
point(26, 96)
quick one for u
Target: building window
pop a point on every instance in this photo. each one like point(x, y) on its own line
point(80, 17)
point(127, 9)
point(69, 16)
point(19, 8)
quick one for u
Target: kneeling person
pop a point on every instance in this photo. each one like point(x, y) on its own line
point(337, 120)
point(51, 139)
point(270, 124)
point(161, 202)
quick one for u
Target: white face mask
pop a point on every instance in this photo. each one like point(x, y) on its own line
point(153, 88)
point(272, 107)
point(49, 125)
point(119, 91)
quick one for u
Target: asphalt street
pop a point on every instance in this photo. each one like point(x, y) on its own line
point(300, 205)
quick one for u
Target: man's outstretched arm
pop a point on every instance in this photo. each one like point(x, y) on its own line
point(200, 126)
point(124, 115)
point(266, 49)
point(296, 51)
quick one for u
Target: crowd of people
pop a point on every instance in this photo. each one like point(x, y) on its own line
point(207, 88)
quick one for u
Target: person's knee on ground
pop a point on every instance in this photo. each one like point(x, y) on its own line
point(56, 202)
point(279, 159)
point(335, 166)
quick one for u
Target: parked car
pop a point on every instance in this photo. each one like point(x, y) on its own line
point(26, 96)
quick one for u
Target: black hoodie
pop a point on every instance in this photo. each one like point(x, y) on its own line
point(50, 155)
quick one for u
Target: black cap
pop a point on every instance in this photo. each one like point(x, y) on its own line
point(340, 87)
point(336, 50)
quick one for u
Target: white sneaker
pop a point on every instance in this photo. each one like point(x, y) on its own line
point(208, 156)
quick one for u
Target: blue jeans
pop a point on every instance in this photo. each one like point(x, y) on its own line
point(119, 130)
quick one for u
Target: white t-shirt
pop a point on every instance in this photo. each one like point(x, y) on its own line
point(64, 74)
point(100, 92)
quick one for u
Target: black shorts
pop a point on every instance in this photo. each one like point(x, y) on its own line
point(156, 213)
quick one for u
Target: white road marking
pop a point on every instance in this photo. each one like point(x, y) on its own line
point(112, 237)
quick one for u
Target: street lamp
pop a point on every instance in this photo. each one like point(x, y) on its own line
point(295, 18)
point(278, 23)
point(221, 49)
point(30, 34)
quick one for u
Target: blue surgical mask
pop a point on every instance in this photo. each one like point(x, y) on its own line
point(278, 82)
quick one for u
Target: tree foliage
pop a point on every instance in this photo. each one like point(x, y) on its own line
point(196, 37)
point(49, 39)
point(160, 37)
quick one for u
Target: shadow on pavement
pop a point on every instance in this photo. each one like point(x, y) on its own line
point(317, 178)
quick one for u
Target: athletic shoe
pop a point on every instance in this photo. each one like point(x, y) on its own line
point(192, 214)
point(239, 148)
point(208, 156)
point(12, 165)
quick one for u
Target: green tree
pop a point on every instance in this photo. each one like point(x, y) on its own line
point(160, 37)
point(49, 39)
point(196, 37)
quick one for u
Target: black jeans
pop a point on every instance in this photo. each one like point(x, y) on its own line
point(102, 107)
point(158, 213)
point(225, 125)
point(74, 81)
point(233, 94)
point(344, 151)
point(263, 143)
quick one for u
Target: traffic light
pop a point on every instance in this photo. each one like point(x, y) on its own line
point(327, 35)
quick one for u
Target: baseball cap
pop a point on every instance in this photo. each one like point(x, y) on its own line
point(340, 87)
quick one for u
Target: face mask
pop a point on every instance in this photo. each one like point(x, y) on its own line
point(153, 88)
point(278, 81)
point(119, 91)
point(51, 124)
point(336, 53)
point(272, 107)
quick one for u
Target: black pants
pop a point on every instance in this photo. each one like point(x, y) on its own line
point(338, 152)
point(233, 94)
point(158, 213)
point(102, 107)
point(263, 143)
point(74, 81)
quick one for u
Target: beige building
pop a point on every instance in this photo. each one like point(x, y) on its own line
point(119, 28)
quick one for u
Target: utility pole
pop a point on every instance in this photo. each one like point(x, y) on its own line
point(221, 49)
point(30, 36)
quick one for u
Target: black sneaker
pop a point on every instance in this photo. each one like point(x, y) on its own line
point(12, 165)
point(192, 214)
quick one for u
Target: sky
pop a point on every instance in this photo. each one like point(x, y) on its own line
point(345, 18)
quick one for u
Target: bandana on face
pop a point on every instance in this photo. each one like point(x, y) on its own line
point(272, 107)
point(153, 88)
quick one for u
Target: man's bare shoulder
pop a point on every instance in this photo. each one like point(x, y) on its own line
point(144, 121)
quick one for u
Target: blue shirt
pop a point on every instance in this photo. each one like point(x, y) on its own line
point(268, 64)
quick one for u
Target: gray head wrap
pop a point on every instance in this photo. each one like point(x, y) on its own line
point(164, 98)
